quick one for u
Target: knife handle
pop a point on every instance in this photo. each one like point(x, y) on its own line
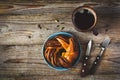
point(96, 62)
point(84, 66)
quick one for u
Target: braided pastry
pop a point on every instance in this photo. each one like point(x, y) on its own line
point(61, 51)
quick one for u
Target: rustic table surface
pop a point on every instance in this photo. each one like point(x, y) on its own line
point(26, 24)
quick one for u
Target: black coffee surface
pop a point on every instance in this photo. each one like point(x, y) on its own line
point(84, 19)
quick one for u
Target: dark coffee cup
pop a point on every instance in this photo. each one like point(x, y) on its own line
point(84, 18)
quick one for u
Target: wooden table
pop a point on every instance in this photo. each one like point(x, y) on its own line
point(25, 25)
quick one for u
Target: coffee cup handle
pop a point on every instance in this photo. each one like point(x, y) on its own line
point(95, 32)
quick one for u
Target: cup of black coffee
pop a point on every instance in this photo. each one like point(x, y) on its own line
point(84, 18)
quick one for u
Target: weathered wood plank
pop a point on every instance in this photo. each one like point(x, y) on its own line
point(20, 59)
point(39, 77)
point(32, 29)
point(25, 61)
point(54, 1)
point(33, 8)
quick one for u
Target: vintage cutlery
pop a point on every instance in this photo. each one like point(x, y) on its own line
point(86, 59)
point(103, 46)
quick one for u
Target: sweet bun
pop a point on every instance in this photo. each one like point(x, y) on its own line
point(61, 51)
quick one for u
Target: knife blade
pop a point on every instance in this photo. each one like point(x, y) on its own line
point(104, 45)
point(85, 59)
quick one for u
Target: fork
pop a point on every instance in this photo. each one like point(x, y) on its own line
point(103, 46)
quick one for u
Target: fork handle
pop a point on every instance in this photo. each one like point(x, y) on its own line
point(96, 62)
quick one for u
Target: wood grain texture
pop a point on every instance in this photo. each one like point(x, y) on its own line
point(25, 25)
point(20, 27)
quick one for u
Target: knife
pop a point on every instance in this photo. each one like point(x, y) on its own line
point(86, 60)
point(103, 46)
